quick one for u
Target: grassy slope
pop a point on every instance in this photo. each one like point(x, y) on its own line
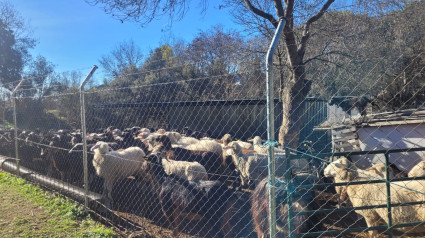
point(27, 211)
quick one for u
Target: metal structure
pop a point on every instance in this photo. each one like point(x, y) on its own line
point(136, 198)
point(84, 132)
point(15, 127)
point(270, 126)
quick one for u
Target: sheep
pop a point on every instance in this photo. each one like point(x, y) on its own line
point(56, 154)
point(303, 200)
point(193, 200)
point(144, 130)
point(29, 147)
point(184, 169)
point(188, 140)
point(210, 160)
point(418, 170)
point(161, 131)
point(113, 166)
point(342, 170)
point(128, 140)
point(244, 145)
point(253, 167)
point(377, 171)
point(206, 145)
point(226, 139)
point(174, 136)
point(260, 148)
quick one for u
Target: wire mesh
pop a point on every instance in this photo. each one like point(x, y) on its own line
point(183, 157)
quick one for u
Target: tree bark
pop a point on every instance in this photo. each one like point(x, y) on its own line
point(295, 90)
point(293, 96)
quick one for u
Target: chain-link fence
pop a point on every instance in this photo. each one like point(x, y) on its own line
point(189, 157)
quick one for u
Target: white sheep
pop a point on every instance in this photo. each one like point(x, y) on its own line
point(253, 167)
point(257, 144)
point(374, 194)
point(174, 136)
point(147, 130)
point(244, 145)
point(376, 171)
point(184, 141)
point(113, 166)
point(418, 170)
point(184, 169)
point(206, 145)
point(188, 140)
point(161, 131)
point(226, 140)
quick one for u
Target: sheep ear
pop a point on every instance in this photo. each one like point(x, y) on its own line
point(94, 147)
point(250, 140)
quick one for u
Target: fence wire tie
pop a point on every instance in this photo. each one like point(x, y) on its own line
point(271, 143)
point(278, 182)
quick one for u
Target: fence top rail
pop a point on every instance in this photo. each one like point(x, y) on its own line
point(295, 154)
point(196, 103)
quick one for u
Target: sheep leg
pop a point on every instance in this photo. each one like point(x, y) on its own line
point(226, 227)
point(372, 221)
point(107, 192)
point(176, 222)
point(50, 170)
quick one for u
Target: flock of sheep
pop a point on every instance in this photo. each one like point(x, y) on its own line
point(197, 178)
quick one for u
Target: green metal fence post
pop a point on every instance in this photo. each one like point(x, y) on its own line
point(289, 190)
point(388, 187)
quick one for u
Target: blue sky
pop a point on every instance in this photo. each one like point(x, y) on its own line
point(73, 35)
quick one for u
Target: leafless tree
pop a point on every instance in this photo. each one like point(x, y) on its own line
point(263, 16)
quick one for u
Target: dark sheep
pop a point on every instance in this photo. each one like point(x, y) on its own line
point(302, 201)
point(193, 200)
point(29, 148)
point(56, 154)
point(128, 140)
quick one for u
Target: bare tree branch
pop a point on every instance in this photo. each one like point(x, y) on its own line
point(306, 31)
point(261, 13)
point(318, 57)
point(279, 9)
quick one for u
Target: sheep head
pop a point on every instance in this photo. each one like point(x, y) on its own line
point(161, 131)
point(233, 150)
point(226, 139)
point(155, 168)
point(102, 147)
point(257, 141)
point(166, 142)
point(340, 169)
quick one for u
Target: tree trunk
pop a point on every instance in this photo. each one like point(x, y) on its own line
point(293, 96)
